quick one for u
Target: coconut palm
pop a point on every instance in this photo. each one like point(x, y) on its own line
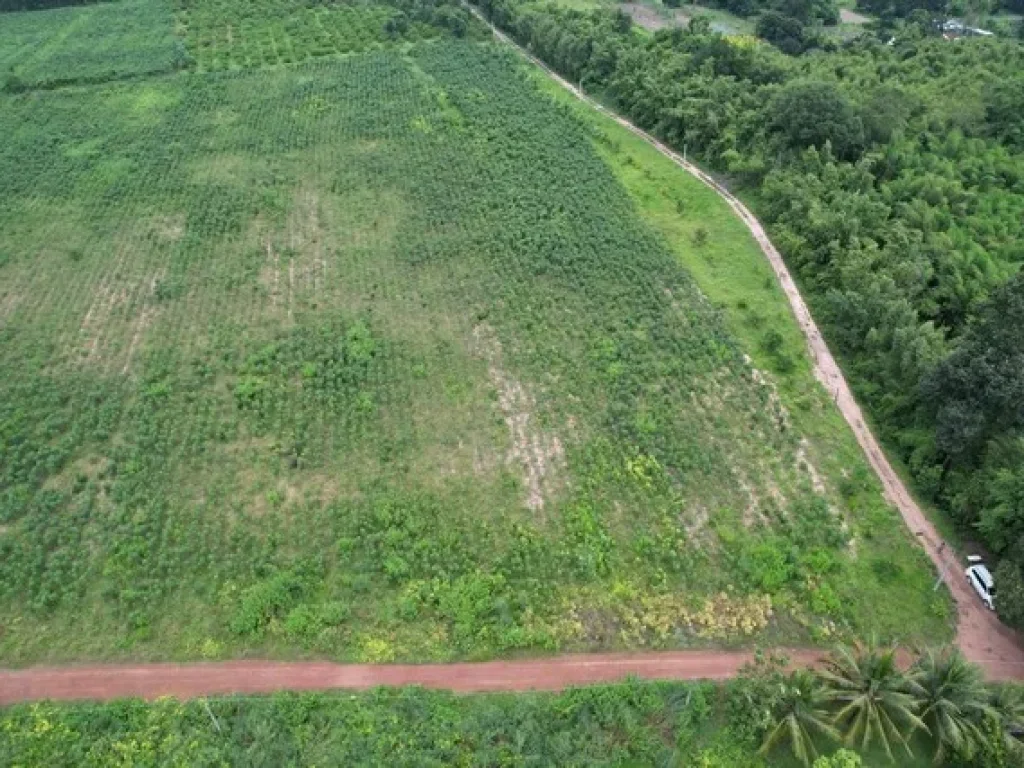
point(953, 700)
point(1006, 702)
point(876, 701)
point(800, 715)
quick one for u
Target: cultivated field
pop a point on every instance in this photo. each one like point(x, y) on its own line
point(89, 43)
point(394, 356)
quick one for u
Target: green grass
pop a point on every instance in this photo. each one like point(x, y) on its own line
point(88, 43)
point(721, 20)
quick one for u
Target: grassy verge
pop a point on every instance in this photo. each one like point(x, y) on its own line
point(944, 524)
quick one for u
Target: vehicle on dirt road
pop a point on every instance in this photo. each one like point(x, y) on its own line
point(980, 578)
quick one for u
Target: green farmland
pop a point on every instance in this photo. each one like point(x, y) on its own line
point(359, 343)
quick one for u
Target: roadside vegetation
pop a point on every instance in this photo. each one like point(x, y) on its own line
point(859, 710)
point(936, 711)
point(898, 207)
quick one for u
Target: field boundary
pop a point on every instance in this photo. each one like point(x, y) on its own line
point(979, 634)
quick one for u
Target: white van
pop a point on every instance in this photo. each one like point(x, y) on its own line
point(982, 581)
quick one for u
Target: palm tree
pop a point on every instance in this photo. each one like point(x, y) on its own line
point(953, 700)
point(876, 701)
point(1006, 702)
point(800, 715)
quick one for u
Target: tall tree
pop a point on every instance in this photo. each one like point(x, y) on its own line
point(877, 703)
point(977, 393)
point(800, 716)
point(954, 702)
point(809, 113)
point(784, 32)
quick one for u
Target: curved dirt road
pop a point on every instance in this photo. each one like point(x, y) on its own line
point(982, 637)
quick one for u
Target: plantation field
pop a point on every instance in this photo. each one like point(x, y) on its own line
point(385, 357)
point(224, 34)
point(87, 43)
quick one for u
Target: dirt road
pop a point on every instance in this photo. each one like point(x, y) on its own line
point(192, 680)
point(981, 636)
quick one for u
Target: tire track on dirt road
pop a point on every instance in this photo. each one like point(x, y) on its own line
point(980, 635)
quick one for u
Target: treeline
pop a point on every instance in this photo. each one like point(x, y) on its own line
point(39, 5)
point(806, 11)
point(906, 8)
point(892, 178)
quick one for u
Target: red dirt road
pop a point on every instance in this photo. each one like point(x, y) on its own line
point(185, 681)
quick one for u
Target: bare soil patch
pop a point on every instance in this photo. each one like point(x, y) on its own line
point(645, 16)
point(535, 451)
point(847, 16)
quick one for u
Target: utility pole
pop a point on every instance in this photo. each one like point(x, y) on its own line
point(942, 576)
point(212, 717)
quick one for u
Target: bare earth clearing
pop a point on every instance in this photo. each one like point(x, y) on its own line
point(847, 16)
point(647, 17)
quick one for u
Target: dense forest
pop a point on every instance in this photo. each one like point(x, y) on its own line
point(892, 178)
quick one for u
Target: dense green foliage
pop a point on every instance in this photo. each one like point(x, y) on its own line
point(900, 208)
point(625, 724)
point(938, 709)
point(928, 11)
